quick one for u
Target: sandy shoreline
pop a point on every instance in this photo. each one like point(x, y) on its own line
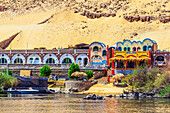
point(101, 89)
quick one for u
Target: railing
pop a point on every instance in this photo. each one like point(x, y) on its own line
point(52, 66)
point(168, 52)
point(82, 51)
point(66, 51)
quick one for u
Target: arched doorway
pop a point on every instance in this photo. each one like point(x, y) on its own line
point(85, 61)
point(160, 60)
point(3, 61)
point(50, 61)
point(119, 64)
point(18, 61)
point(131, 64)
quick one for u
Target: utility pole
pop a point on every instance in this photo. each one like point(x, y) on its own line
point(7, 68)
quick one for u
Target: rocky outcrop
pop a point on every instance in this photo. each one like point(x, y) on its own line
point(4, 44)
point(94, 97)
point(164, 19)
point(79, 85)
point(155, 10)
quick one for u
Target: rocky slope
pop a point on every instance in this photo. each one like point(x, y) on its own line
point(54, 23)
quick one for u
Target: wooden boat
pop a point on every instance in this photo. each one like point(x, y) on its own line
point(23, 91)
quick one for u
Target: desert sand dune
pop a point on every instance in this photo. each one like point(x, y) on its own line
point(68, 26)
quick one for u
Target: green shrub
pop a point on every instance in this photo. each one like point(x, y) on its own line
point(147, 78)
point(163, 92)
point(45, 71)
point(7, 81)
point(9, 72)
point(89, 74)
point(73, 68)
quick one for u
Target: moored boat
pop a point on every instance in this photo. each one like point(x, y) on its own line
point(23, 91)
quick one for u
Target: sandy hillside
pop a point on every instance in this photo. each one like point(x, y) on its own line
point(71, 22)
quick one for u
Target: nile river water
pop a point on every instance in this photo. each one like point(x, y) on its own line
point(64, 103)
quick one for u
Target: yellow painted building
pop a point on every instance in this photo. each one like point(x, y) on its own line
point(128, 55)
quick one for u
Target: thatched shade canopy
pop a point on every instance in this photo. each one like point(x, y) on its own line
point(79, 74)
point(119, 76)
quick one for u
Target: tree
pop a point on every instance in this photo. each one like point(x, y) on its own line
point(89, 74)
point(45, 71)
point(73, 68)
point(9, 72)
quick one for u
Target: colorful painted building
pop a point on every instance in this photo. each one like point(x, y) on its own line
point(98, 53)
point(161, 59)
point(128, 55)
point(44, 56)
point(122, 57)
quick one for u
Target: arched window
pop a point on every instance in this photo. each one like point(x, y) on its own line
point(67, 61)
point(79, 59)
point(128, 48)
point(36, 60)
point(104, 53)
point(144, 48)
point(31, 60)
point(3, 61)
point(18, 61)
point(149, 47)
point(124, 49)
point(50, 61)
point(134, 48)
point(160, 60)
point(119, 49)
point(138, 49)
point(95, 48)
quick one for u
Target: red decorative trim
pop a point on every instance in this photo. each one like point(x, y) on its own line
point(113, 72)
point(108, 55)
point(90, 54)
point(131, 55)
point(149, 57)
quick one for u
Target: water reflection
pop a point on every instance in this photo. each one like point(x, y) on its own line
point(74, 103)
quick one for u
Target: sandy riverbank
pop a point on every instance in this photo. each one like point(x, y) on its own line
point(104, 89)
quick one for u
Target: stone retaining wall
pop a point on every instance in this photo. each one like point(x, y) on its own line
point(61, 72)
point(80, 85)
